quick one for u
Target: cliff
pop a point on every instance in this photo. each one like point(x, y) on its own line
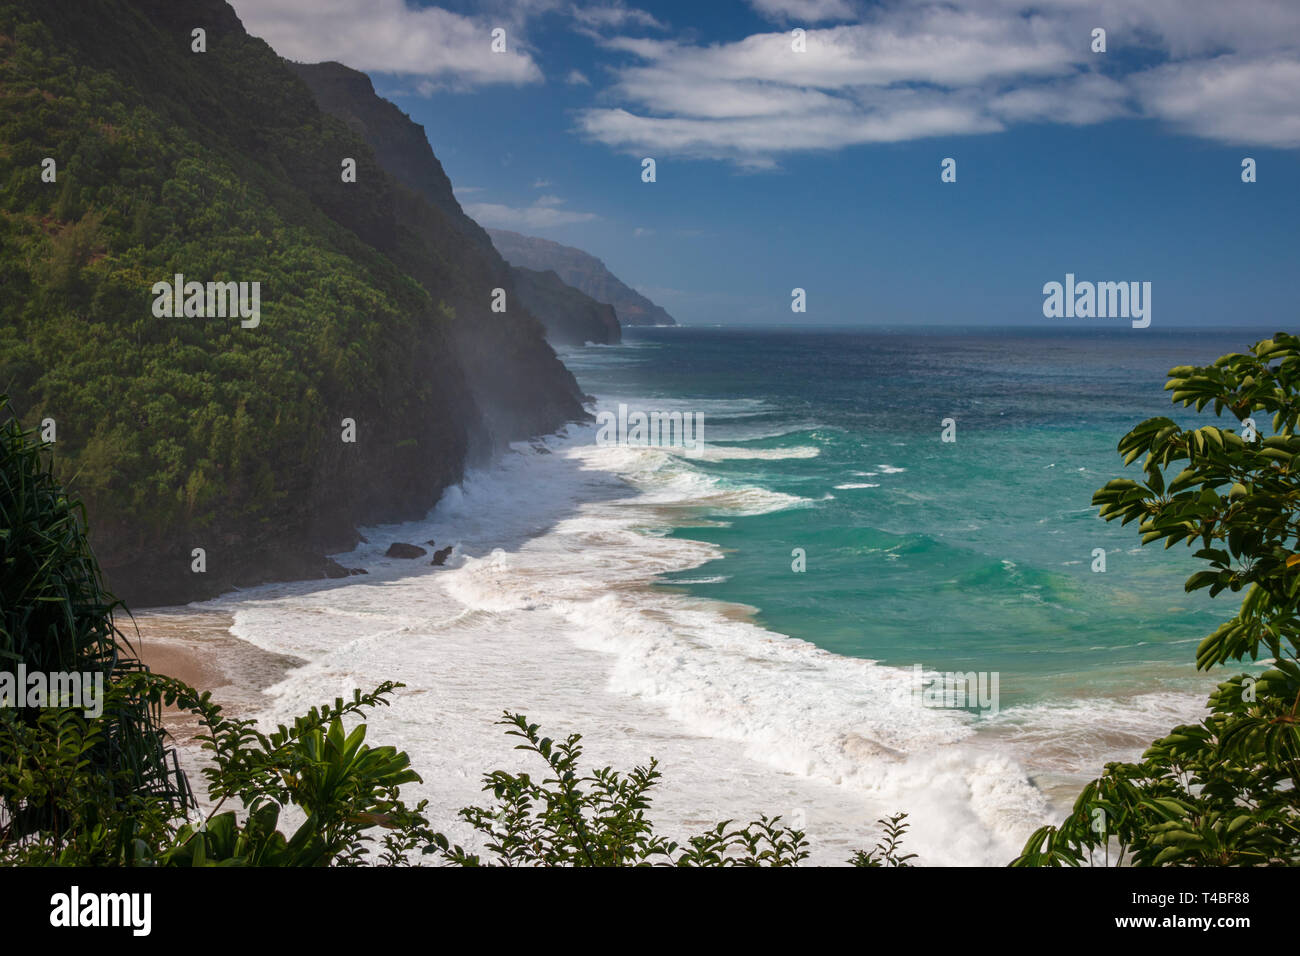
point(403, 151)
point(570, 317)
point(582, 271)
point(197, 431)
point(399, 143)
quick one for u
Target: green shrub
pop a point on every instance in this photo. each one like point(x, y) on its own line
point(599, 819)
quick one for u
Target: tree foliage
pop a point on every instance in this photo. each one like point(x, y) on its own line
point(1224, 791)
point(600, 818)
point(888, 851)
point(56, 617)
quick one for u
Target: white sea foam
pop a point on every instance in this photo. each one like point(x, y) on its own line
point(735, 452)
point(1079, 736)
point(545, 608)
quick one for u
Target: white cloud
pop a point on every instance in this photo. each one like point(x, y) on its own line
point(615, 16)
point(577, 78)
point(544, 212)
point(390, 36)
point(752, 141)
point(918, 68)
point(804, 11)
point(1079, 101)
point(1228, 99)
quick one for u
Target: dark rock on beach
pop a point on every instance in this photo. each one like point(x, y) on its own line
point(400, 549)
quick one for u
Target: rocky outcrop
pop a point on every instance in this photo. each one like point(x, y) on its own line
point(400, 144)
point(581, 270)
point(400, 549)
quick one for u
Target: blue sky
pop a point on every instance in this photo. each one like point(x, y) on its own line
point(820, 169)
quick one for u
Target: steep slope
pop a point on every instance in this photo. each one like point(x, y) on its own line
point(438, 230)
point(582, 271)
point(195, 432)
point(403, 150)
point(400, 144)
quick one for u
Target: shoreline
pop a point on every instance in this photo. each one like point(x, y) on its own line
point(508, 628)
point(539, 582)
point(196, 646)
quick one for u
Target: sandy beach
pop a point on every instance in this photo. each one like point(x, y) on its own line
point(196, 646)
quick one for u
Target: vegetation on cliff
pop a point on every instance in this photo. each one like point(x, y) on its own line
point(183, 433)
point(403, 150)
point(570, 317)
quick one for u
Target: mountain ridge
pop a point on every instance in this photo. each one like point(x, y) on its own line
point(404, 151)
point(581, 270)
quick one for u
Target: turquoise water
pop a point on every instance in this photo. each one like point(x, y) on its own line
point(974, 555)
point(601, 587)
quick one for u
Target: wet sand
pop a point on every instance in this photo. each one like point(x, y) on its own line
point(196, 646)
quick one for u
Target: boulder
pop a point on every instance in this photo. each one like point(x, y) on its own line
point(400, 549)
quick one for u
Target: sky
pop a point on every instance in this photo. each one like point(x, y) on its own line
point(820, 168)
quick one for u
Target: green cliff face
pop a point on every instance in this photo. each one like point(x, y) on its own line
point(399, 143)
point(402, 149)
point(196, 431)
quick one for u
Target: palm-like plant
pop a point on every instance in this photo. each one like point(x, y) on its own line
point(56, 616)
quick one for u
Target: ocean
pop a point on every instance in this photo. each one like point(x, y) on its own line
point(755, 613)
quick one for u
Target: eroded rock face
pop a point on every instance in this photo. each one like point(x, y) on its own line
point(440, 556)
point(400, 549)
